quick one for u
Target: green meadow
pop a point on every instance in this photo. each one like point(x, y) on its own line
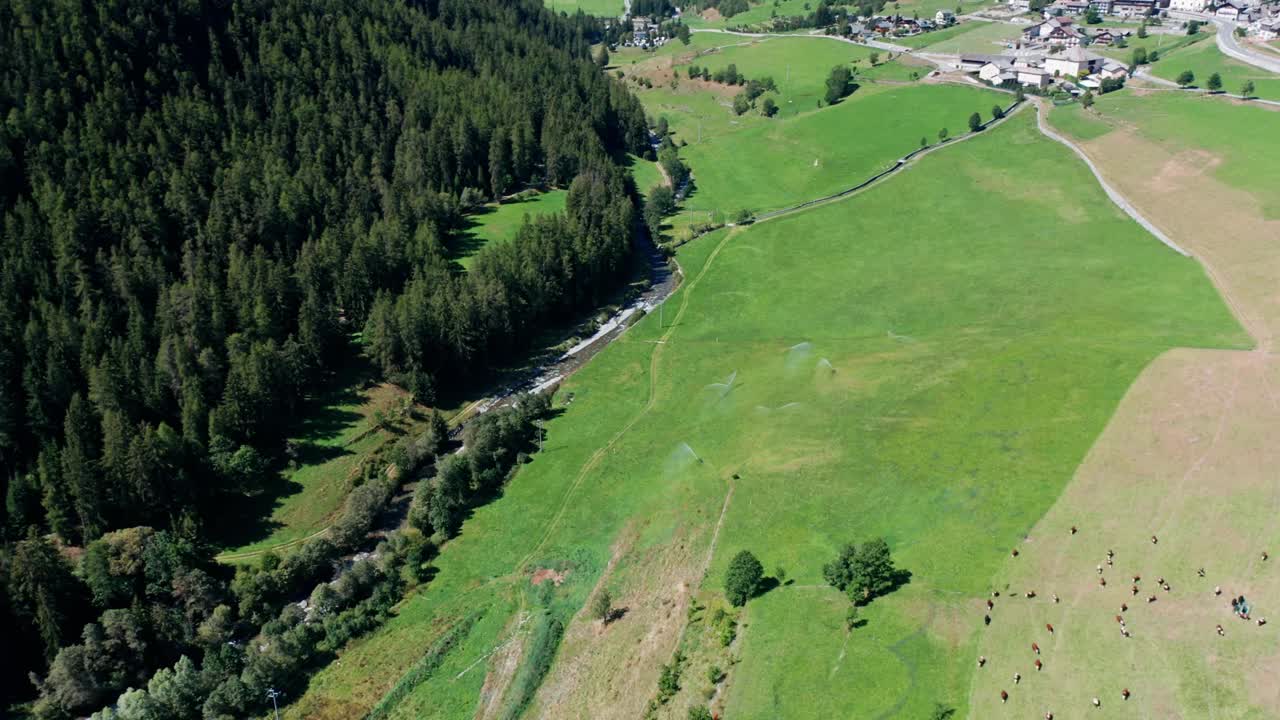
point(1204, 59)
point(336, 435)
point(798, 66)
point(908, 362)
point(599, 8)
point(498, 223)
point(781, 162)
point(1162, 42)
point(969, 37)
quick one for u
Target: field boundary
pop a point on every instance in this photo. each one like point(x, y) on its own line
point(1119, 200)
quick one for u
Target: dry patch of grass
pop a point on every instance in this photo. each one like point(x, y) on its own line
point(1187, 458)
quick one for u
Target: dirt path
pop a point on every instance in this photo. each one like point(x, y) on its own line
point(1115, 196)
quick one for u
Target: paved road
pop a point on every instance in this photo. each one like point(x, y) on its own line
point(1115, 196)
point(890, 47)
point(1230, 45)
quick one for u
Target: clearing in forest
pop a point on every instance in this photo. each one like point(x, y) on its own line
point(1186, 459)
point(346, 426)
point(497, 223)
point(910, 362)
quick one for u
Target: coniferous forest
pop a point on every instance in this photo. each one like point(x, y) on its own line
point(202, 203)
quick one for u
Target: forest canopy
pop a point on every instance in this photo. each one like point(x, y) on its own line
point(203, 201)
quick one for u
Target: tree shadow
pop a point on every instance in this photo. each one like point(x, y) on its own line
point(615, 614)
point(766, 586)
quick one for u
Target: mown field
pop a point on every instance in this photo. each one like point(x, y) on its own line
point(909, 362)
point(1204, 59)
point(1239, 152)
point(970, 37)
point(1184, 459)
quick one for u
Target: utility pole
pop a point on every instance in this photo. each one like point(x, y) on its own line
point(273, 694)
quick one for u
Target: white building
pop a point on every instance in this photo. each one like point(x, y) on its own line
point(1033, 77)
point(944, 17)
point(1191, 6)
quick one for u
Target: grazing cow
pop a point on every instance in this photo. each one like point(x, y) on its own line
point(1154, 540)
point(1111, 553)
point(1015, 552)
point(1262, 621)
point(1099, 569)
point(1221, 632)
point(1109, 562)
point(1038, 664)
point(1265, 556)
point(1217, 589)
point(1125, 693)
point(1017, 678)
point(1074, 529)
point(1137, 578)
point(1035, 648)
point(1151, 599)
point(1048, 716)
point(1102, 581)
point(990, 604)
point(1135, 589)
point(1097, 703)
point(986, 619)
point(1124, 631)
point(1124, 607)
point(1200, 572)
point(1160, 581)
point(1004, 696)
point(1055, 597)
point(1031, 593)
point(1049, 627)
point(1120, 619)
point(982, 660)
point(1166, 587)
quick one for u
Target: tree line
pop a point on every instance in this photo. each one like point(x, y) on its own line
point(203, 201)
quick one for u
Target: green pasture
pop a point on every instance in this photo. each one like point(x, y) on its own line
point(979, 37)
point(1205, 58)
point(778, 163)
point(757, 16)
point(646, 174)
point(799, 66)
point(1163, 43)
point(909, 362)
point(599, 8)
point(1241, 135)
point(969, 37)
point(624, 57)
point(498, 223)
point(898, 70)
point(338, 432)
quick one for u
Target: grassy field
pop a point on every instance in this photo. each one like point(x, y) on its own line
point(646, 174)
point(758, 14)
point(977, 37)
point(1204, 59)
point(1241, 153)
point(902, 69)
point(936, 382)
point(331, 442)
point(1183, 459)
point(498, 223)
point(599, 8)
point(799, 66)
point(1163, 43)
point(780, 162)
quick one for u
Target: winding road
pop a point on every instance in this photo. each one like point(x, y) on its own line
point(1231, 47)
point(1112, 193)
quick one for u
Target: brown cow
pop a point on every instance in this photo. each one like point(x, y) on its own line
point(1124, 607)
point(1035, 648)
point(1074, 529)
point(1038, 665)
point(990, 604)
point(1102, 581)
point(1004, 696)
point(1125, 693)
point(1120, 619)
point(1049, 627)
point(1015, 552)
